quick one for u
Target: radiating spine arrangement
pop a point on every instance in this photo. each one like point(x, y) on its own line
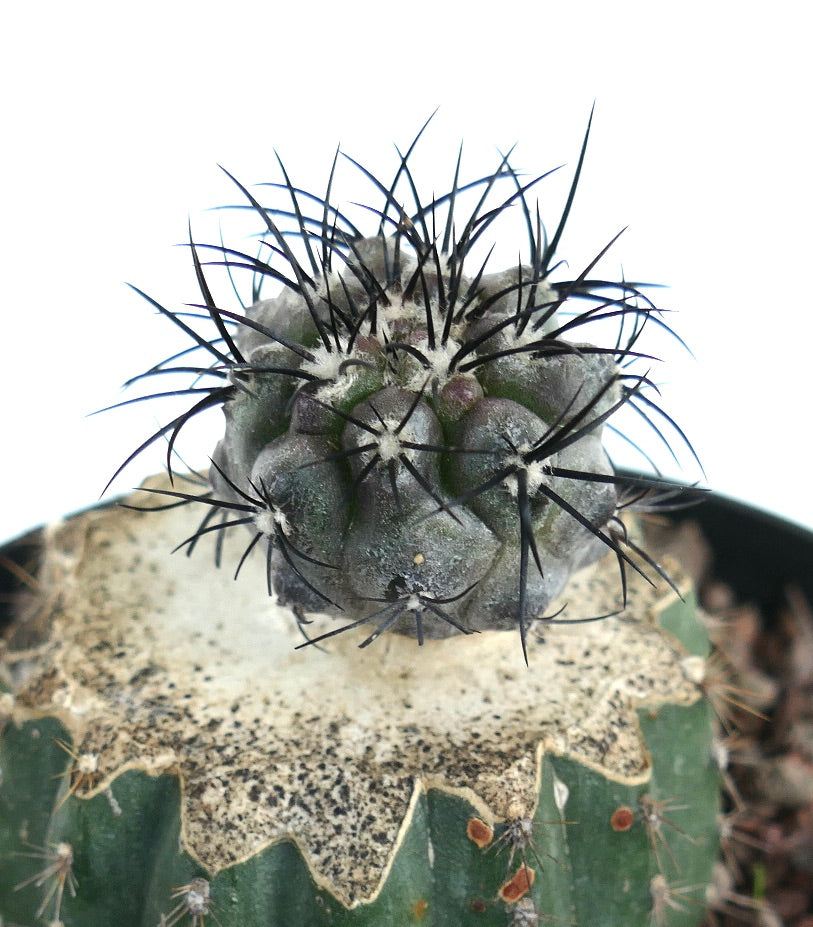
point(417, 441)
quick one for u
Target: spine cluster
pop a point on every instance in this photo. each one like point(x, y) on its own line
point(415, 440)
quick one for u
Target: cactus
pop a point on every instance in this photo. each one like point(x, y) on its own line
point(418, 449)
point(416, 442)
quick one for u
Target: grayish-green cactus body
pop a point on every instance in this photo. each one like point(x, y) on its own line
point(378, 466)
point(414, 439)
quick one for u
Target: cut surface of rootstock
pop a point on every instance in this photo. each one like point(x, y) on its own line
point(169, 757)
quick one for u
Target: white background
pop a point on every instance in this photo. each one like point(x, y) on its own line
point(115, 116)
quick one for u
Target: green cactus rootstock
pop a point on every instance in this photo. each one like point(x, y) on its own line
point(164, 730)
point(129, 866)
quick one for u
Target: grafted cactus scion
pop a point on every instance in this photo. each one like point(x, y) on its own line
point(414, 439)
